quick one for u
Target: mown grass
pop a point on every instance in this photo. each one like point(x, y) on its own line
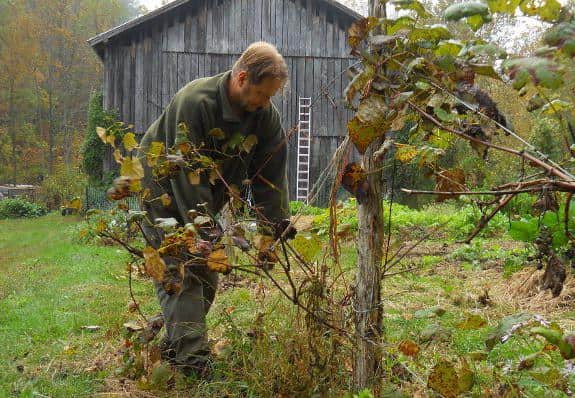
point(50, 288)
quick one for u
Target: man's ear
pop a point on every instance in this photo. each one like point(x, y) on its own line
point(242, 77)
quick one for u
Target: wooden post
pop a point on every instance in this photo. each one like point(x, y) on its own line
point(367, 299)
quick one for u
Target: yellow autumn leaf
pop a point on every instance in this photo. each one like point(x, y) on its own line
point(405, 153)
point(166, 199)
point(118, 156)
point(101, 226)
point(194, 177)
point(154, 264)
point(218, 262)
point(264, 244)
point(217, 133)
point(129, 141)
point(135, 185)
point(75, 203)
point(132, 167)
point(105, 137)
point(154, 151)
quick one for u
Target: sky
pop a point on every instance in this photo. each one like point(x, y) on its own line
point(151, 4)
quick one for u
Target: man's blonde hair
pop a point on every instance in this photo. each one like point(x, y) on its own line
point(261, 60)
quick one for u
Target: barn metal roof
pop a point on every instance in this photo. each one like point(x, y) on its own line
point(102, 38)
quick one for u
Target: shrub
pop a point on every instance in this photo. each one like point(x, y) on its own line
point(62, 186)
point(93, 149)
point(13, 208)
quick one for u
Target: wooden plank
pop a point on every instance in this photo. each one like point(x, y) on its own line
point(257, 22)
point(293, 27)
point(209, 25)
point(252, 28)
point(329, 33)
point(307, 27)
point(236, 28)
point(343, 49)
point(266, 23)
point(316, 30)
point(301, 28)
point(139, 86)
point(340, 114)
point(331, 106)
point(189, 28)
point(281, 42)
point(323, 29)
point(273, 36)
point(201, 20)
point(106, 82)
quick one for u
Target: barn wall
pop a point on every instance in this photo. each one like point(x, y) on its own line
point(145, 69)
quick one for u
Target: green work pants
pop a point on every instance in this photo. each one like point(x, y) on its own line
point(185, 312)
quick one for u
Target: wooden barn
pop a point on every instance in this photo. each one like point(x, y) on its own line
point(148, 59)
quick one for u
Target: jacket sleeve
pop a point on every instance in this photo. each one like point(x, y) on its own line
point(268, 173)
point(185, 196)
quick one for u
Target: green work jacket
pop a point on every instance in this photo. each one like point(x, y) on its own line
point(203, 105)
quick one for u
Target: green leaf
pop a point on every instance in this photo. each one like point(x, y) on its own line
point(542, 72)
point(525, 231)
point(429, 312)
point(413, 5)
point(548, 11)
point(476, 21)
point(235, 140)
point(440, 138)
point(472, 322)
point(485, 70)
point(556, 106)
point(446, 63)
point(307, 246)
point(358, 83)
point(458, 11)
point(249, 142)
point(548, 78)
point(555, 337)
point(395, 25)
point(363, 134)
point(416, 63)
point(448, 47)
point(432, 33)
point(443, 115)
point(444, 379)
point(490, 50)
point(506, 327)
point(503, 6)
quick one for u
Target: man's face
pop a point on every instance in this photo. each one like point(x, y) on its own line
point(254, 97)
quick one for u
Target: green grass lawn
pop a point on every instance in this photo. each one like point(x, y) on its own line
point(51, 288)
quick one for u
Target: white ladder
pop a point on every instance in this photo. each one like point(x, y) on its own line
point(303, 148)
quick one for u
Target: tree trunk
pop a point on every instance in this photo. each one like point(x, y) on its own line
point(367, 299)
point(12, 129)
point(367, 305)
point(51, 132)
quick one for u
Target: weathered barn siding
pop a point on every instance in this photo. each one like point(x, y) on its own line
point(147, 65)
